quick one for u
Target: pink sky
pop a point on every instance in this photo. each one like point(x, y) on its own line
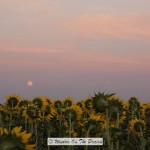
point(71, 49)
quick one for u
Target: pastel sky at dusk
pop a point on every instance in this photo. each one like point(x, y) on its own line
point(75, 48)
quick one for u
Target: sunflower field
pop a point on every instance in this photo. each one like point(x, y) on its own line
point(26, 124)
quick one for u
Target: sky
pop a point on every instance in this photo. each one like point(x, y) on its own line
point(75, 48)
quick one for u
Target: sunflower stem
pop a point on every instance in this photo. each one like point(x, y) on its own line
point(69, 129)
point(117, 126)
point(1, 122)
point(25, 123)
point(143, 140)
point(32, 128)
point(10, 123)
point(36, 135)
point(87, 135)
point(48, 137)
point(107, 129)
point(60, 122)
point(43, 114)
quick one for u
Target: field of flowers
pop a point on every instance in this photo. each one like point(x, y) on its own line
point(26, 124)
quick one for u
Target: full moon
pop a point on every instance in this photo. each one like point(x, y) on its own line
point(29, 83)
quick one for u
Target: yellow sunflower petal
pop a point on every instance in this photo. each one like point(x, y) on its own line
point(30, 147)
point(16, 130)
point(26, 137)
point(1, 131)
point(5, 131)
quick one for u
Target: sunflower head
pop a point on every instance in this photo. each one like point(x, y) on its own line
point(49, 101)
point(48, 112)
point(92, 124)
point(137, 125)
point(94, 120)
point(32, 114)
point(24, 104)
point(58, 104)
point(15, 140)
point(100, 101)
point(68, 102)
point(74, 112)
point(1, 108)
point(85, 114)
point(134, 102)
point(12, 101)
point(80, 104)
point(146, 110)
point(88, 103)
point(116, 104)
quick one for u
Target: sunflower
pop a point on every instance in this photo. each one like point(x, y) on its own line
point(1, 113)
point(12, 101)
point(49, 101)
point(2, 108)
point(40, 102)
point(88, 106)
point(97, 116)
point(134, 103)
point(74, 112)
point(92, 125)
point(137, 125)
point(88, 103)
point(67, 102)
point(80, 104)
point(58, 104)
point(94, 120)
point(15, 140)
point(53, 110)
point(48, 112)
point(146, 110)
point(24, 104)
point(100, 101)
point(116, 104)
point(116, 107)
point(85, 114)
point(32, 114)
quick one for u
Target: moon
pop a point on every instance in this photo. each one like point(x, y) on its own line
point(30, 83)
